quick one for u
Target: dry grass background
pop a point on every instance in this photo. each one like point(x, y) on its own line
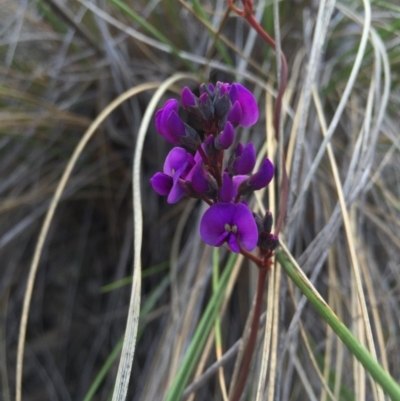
point(63, 63)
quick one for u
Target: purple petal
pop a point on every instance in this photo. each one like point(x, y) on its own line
point(247, 102)
point(223, 88)
point(246, 162)
point(235, 114)
point(158, 121)
point(175, 128)
point(225, 138)
point(233, 243)
point(226, 191)
point(178, 191)
point(187, 97)
point(212, 225)
point(247, 232)
point(161, 119)
point(263, 176)
point(161, 183)
point(237, 180)
point(198, 178)
point(239, 149)
point(176, 162)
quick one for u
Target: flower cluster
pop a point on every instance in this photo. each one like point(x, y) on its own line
point(209, 175)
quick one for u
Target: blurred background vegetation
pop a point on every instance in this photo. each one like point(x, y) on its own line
point(62, 63)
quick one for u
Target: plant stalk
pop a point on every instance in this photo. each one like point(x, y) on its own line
point(251, 344)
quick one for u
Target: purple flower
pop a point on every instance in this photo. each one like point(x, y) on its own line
point(244, 110)
point(171, 182)
point(168, 123)
point(231, 223)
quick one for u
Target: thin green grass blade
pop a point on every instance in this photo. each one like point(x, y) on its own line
point(104, 370)
point(215, 281)
point(200, 336)
point(153, 31)
point(128, 280)
point(382, 377)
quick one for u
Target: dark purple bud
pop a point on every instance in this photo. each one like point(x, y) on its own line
point(231, 223)
point(267, 222)
point(225, 138)
point(209, 146)
point(188, 98)
point(269, 242)
point(249, 109)
point(222, 105)
point(226, 192)
point(190, 138)
point(259, 222)
point(245, 159)
point(209, 89)
point(206, 107)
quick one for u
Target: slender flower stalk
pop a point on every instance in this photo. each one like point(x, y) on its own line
point(266, 240)
point(248, 14)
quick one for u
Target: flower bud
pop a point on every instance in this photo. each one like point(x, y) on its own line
point(268, 243)
point(190, 138)
point(267, 221)
point(225, 138)
point(206, 107)
point(243, 159)
point(188, 98)
point(258, 180)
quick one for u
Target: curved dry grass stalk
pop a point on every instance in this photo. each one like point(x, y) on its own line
point(338, 112)
point(267, 345)
point(49, 217)
point(128, 348)
point(350, 233)
point(324, 13)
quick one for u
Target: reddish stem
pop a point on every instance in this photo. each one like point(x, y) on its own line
point(247, 14)
point(251, 344)
point(203, 155)
point(264, 263)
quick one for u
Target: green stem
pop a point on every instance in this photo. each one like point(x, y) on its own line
point(379, 374)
